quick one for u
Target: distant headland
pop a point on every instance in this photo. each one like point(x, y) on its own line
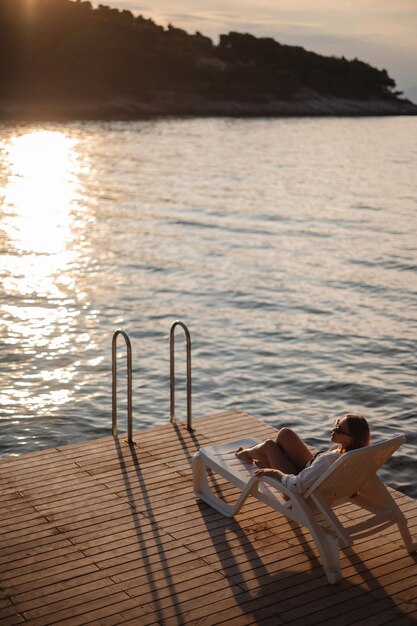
point(64, 59)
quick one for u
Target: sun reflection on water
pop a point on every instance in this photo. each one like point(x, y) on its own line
point(42, 187)
point(41, 214)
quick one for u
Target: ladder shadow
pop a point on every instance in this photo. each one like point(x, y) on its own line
point(146, 551)
point(148, 515)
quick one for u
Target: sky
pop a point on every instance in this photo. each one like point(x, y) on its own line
point(380, 32)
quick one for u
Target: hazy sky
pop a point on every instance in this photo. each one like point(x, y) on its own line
point(380, 32)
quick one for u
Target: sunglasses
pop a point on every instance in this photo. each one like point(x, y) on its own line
point(339, 430)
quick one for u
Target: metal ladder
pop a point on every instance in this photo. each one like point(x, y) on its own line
point(129, 384)
point(172, 371)
point(129, 379)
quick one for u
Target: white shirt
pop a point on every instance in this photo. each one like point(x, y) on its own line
point(302, 481)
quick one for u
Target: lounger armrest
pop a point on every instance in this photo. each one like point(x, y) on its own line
point(275, 482)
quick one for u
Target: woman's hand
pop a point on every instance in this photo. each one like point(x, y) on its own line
point(273, 473)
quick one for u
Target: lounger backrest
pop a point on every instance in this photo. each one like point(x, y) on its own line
point(345, 477)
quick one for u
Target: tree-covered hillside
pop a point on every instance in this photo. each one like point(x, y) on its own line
point(58, 50)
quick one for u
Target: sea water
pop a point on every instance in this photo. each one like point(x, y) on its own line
point(287, 246)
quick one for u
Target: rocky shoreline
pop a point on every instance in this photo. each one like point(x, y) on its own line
point(171, 104)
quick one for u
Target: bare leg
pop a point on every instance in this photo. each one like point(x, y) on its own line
point(268, 454)
point(294, 448)
point(259, 454)
point(288, 453)
point(247, 454)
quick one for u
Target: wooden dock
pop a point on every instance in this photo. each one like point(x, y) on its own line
point(105, 533)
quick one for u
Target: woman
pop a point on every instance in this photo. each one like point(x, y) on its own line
point(292, 462)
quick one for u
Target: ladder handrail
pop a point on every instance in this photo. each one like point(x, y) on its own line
point(172, 370)
point(129, 384)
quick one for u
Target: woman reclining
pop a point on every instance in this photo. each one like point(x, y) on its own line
point(290, 460)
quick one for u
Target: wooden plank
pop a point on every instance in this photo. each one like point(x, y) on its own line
point(80, 613)
point(72, 586)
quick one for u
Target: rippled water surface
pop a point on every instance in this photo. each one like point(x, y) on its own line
point(288, 247)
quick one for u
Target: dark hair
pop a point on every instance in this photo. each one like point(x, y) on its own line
point(359, 431)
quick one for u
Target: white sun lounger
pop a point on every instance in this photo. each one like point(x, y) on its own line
point(351, 478)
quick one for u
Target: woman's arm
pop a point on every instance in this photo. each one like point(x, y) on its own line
point(274, 473)
point(302, 481)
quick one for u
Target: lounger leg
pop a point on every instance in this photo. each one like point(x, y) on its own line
point(328, 547)
point(327, 543)
point(375, 490)
point(344, 538)
point(203, 491)
point(410, 545)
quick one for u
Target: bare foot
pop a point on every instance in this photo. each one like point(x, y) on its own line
point(244, 455)
point(260, 464)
